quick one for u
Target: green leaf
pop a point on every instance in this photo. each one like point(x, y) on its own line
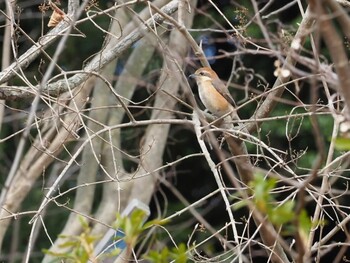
point(164, 254)
point(282, 214)
point(305, 222)
point(114, 252)
point(240, 204)
point(55, 254)
point(157, 222)
point(261, 188)
point(158, 257)
point(176, 254)
point(71, 243)
point(84, 223)
point(179, 254)
point(342, 144)
point(128, 228)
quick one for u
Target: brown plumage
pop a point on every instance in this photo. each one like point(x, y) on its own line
point(213, 93)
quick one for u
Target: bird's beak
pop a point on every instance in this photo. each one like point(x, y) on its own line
point(192, 76)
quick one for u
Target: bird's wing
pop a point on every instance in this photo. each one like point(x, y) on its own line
point(220, 87)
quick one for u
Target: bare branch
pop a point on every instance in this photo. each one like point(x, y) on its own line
point(270, 102)
point(95, 65)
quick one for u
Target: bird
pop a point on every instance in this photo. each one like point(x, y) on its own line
point(213, 93)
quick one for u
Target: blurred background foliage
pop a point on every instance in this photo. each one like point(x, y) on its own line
point(191, 178)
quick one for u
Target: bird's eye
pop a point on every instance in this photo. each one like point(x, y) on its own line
point(201, 73)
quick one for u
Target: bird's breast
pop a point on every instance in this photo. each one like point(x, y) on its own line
point(213, 100)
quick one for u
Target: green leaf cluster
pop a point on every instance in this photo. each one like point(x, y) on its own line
point(79, 248)
point(176, 255)
point(134, 225)
point(283, 214)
